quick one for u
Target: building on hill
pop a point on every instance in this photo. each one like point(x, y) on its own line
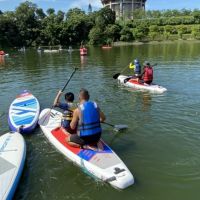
point(89, 8)
point(124, 8)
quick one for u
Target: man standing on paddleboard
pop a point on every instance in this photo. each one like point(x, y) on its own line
point(88, 118)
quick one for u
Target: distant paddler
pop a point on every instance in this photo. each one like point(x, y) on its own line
point(83, 50)
point(135, 65)
point(2, 53)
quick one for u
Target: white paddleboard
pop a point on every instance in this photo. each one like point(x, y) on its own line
point(23, 113)
point(103, 164)
point(132, 83)
point(12, 158)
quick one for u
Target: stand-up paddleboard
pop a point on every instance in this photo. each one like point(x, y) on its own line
point(132, 83)
point(23, 113)
point(12, 158)
point(101, 163)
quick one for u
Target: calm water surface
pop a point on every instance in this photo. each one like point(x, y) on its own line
point(161, 147)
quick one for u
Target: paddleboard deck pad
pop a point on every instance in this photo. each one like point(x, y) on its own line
point(132, 83)
point(12, 158)
point(101, 163)
point(23, 113)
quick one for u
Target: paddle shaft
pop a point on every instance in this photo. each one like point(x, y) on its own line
point(69, 80)
point(108, 124)
point(64, 87)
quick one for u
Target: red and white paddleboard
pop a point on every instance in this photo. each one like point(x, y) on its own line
point(132, 83)
point(102, 163)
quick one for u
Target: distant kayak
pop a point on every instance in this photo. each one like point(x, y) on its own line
point(106, 47)
point(51, 51)
point(12, 159)
point(132, 83)
point(102, 163)
point(23, 113)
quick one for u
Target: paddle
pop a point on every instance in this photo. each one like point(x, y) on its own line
point(115, 76)
point(45, 118)
point(116, 127)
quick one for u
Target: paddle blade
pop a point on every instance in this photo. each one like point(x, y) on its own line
point(44, 119)
point(116, 75)
point(120, 127)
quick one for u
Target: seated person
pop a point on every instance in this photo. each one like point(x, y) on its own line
point(67, 108)
point(147, 75)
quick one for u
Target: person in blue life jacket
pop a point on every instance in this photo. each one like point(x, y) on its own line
point(68, 107)
point(88, 118)
point(137, 69)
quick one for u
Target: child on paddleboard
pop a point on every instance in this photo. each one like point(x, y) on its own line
point(67, 108)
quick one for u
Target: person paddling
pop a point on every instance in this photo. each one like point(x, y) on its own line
point(67, 108)
point(147, 75)
point(88, 118)
point(137, 69)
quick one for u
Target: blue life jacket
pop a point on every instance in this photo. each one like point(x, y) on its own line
point(137, 68)
point(89, 123)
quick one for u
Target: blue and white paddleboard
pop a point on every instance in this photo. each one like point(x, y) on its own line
point(12, 159)
point(23, 113)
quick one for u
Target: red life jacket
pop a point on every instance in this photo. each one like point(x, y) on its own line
point(2, 53)
point(148, 74)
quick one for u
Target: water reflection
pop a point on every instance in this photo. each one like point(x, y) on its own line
point(146, 101)
point(2, 60)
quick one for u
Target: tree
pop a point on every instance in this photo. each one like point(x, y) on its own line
point(50, 11)
point(78, 25)
point(40, 14)
point(104, 17)
point(96, 36)
point(26, 22)
point(126, 34)
point(112, 33)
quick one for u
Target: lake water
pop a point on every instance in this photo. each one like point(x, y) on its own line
point(160, 147)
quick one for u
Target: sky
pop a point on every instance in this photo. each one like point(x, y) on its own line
point(64, 5)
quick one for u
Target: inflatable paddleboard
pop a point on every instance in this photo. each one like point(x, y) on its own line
point(12, 158)
point(102, 164)
point(23, 113)
point(132, 83)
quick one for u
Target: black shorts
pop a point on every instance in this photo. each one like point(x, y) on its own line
point(148, 82)
point(93, 139)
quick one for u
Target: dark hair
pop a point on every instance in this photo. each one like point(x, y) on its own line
point(84, 93)
point(69, 96)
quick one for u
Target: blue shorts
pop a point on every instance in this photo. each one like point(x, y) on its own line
point(65, 124)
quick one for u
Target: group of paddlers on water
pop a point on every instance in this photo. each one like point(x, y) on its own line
point(82, 122)
point(145, 76)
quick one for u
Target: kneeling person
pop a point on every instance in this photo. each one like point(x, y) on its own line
point(67, 108)
point(88, 117)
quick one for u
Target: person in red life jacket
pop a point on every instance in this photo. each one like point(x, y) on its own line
point(2, 53)
point(88, 118)
point(147, 75)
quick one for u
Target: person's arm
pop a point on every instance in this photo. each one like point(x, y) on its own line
point(57, 99)
point(75, 119)
point(102, 116)
point(142, 72)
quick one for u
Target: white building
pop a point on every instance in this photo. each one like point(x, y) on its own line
point(124, 8)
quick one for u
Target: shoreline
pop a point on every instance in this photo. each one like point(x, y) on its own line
point(154, 42)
